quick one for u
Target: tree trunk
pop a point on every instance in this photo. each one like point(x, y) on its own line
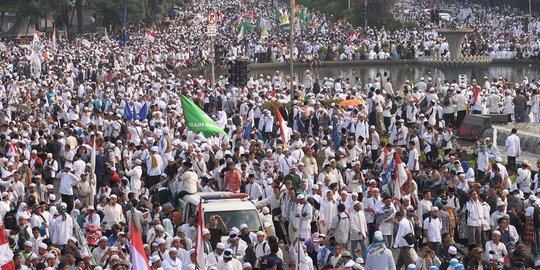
point(79, 7)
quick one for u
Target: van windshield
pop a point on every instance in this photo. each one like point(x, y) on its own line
point(236, 217)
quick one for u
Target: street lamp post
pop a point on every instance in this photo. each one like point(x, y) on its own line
point(291, 59)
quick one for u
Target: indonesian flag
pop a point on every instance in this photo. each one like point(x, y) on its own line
point(401, 176)
point(150, 35)
point(6, 254)
point(199, 246)
point(352, 36)
point(138, 256)
point(476, 89)
point(54, 38)
point(282, 127)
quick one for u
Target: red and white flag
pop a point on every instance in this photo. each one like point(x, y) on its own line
point(401, 176)
point(150, 35)
point(199, 246)
point(282, 127)
point(6, 254)
point(352, 36)
point(54, 38)
point(476, 92)
point(138, 256)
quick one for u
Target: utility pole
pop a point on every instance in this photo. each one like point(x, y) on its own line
point(349, 4)
point(530, 18)
point(291, 59)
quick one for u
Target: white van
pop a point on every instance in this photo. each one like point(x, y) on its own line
point(233, 208)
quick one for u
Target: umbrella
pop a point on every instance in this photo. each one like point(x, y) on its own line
point(351, 102)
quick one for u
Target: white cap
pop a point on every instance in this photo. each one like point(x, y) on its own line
point(300, 197)
point(243, 226)
point(434, 208)
point(160, 241)
point(206, 231)
point(452, 250)
point(160, 228)
point(378, 236)
point(155, 259)
point(220, 245)
point(246, 265)
point(497, 232)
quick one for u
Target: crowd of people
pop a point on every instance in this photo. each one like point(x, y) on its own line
point(89, 138)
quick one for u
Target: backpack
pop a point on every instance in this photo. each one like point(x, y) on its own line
point(394, 108)
point(250, 255)
point(10, 220)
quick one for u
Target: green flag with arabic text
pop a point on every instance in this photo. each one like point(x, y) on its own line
point(197, 120)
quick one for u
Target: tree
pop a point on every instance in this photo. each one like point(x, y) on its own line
point(29, 12)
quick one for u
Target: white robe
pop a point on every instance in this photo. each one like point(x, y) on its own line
point(61, 230)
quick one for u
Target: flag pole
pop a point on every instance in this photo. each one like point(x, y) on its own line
point(291, 118)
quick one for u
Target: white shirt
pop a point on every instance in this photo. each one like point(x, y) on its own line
point(476, 213)
point(500, 250)
point(412, 163)
point(405, 227)
point(154, 171)
point(67, 181)
point(358, 225)
point(513, 148)
point(135, 178)
point(433, 227)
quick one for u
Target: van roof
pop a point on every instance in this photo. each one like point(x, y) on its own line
point(217, 204)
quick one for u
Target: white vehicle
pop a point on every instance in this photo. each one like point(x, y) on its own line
point(233, 208)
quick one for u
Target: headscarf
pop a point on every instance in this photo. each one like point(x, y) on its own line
point(20, 210)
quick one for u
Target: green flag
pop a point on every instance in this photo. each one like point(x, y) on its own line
point(197, 120)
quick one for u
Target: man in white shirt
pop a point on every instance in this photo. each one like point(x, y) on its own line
point(412, 163)
point(432, 229)
point(253, 189)
point(474, 219)
point(67, 181)
point(172, 262)
point(358, 229)
point(135, 174)
point(216, 256)
point(497, 247)
point(482, 163)
point(406, 251)
point(513, 148)
point(155, 167)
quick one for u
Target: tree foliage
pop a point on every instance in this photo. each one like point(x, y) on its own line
point(377, 13)
point(34, 9)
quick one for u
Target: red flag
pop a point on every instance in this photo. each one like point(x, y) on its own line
point(282, 126)
point(138, 256)
point(273, 94)
point(6, 254)
point(199, 246)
